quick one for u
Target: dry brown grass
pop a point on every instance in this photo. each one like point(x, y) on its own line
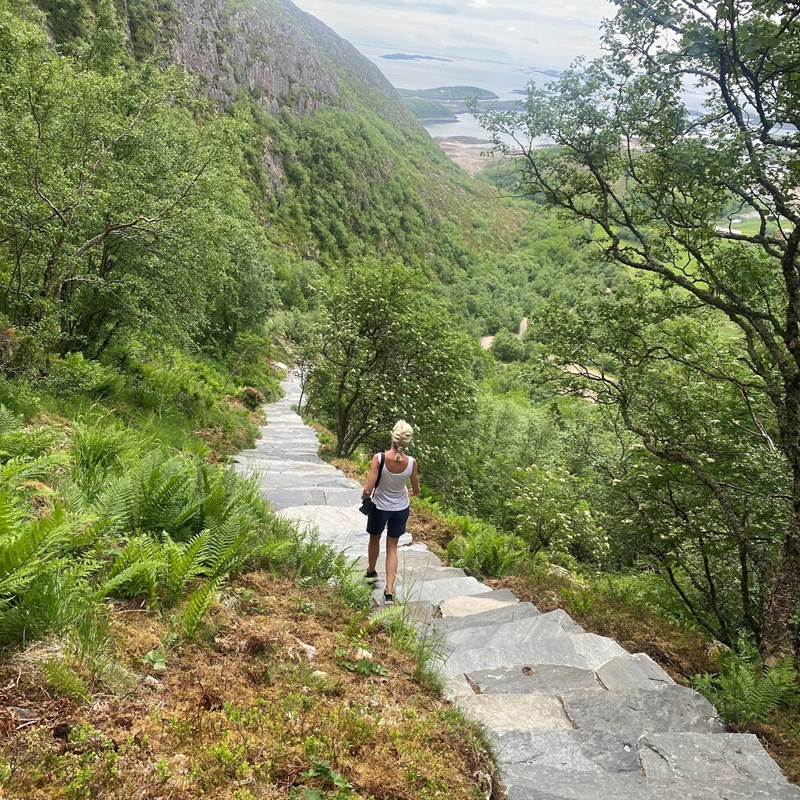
point(244, 714)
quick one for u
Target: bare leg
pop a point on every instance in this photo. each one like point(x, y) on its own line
point(391, 564)
point(373, 551)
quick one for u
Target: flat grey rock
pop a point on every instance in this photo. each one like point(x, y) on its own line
point(533, 678)
point(530, 628)
point(511, 612)
point(527, 752)
point(585, 651)
point(286, 498)
point(633, 672)
point(409, 573)
point(475, 604)
point(726, 757)
point(436, 591)
point(553, 784)
point(637, 711)
point(514, 712)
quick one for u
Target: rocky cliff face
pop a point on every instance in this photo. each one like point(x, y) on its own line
point(284, 57)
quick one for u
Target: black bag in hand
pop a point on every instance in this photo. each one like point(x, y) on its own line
point(367, 504)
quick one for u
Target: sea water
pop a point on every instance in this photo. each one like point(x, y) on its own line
point(494, 76)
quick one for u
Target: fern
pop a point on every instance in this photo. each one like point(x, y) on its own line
point(141, 552)
point(9, 421)
point(65, 681)
point(197, 605)
point(180, 564)
point(483, 551)
point(745, 691)
point(26, 549)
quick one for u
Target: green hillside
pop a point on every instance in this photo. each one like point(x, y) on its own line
point(192, 195)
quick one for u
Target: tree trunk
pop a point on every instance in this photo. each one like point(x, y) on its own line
point(780, 622)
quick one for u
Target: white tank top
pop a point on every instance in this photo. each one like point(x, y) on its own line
point(392, 494)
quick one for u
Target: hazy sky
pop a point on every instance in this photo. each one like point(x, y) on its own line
point(543, 33)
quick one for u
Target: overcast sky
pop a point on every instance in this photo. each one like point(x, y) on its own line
point(527, 32)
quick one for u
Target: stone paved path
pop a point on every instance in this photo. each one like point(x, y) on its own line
point(573, 715)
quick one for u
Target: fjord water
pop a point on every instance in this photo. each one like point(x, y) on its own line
point(496, 76)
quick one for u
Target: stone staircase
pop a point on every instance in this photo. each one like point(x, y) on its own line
point(573, 716)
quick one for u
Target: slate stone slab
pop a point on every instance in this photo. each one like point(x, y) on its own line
point(476, 604)
point(634, 672)
point(553, 784)
point(436, 591)
point(585, 651)
point(507, 712)
point(534, 678)
point(511, 612)
point(326, 519)
point(727, 757)
point(409, 572)
point(531, 628)
point(527, 752)
point(637, 711)
point(286, 498)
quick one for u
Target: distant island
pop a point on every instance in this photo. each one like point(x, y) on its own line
point(445, 103)
point(551, 73)
point(451, 94)
point(407, 57)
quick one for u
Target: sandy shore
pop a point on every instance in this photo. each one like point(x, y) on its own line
point(470, 154)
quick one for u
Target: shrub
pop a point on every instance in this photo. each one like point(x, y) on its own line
point(484, 551)
point(252, 398)
point(73, 374)
point(746, 691)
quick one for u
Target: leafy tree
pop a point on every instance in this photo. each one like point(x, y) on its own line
point(659, 181)
point(387, 351)
point(123, 210)
point(699, 491)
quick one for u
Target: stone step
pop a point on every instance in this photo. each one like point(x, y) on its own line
point(546, 783)
point(436, 591)
point(408, 572)
point(575, 751)
point(285, 480)
point(585, 651)
point(633, 712)
point(516, 712)
point(727, 758)
point(638, 671)
point(475, 604)
point(533, 679)
point(507, 634)
point(341, 498)
point(512, 612)
point(674, 710)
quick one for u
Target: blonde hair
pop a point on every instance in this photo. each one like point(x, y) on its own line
point(402, 434)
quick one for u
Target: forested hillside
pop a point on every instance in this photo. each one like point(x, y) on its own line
point(190, 192)
point(180, 185)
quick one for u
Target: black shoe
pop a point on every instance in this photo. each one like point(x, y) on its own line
point(388, 599)
point(371, 576)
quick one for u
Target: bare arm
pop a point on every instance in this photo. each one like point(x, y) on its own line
point(414, 480)
point(373, 476)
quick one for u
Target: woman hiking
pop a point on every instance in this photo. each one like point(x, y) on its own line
point(391, 498)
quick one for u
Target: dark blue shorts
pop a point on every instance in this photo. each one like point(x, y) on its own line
point(396, 521)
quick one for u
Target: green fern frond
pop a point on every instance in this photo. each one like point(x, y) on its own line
point(197, 605)
point(25, 553)
point(9, 421)
point(121, 578)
